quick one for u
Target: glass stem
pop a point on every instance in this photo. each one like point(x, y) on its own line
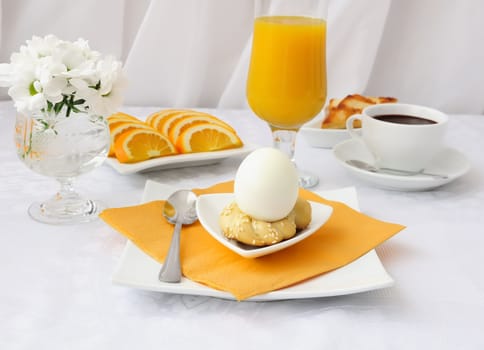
point(285, 141)
point(66, 190)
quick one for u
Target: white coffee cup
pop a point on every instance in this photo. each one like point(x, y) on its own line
point(400, 145)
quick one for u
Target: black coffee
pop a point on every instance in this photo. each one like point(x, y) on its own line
point(404, 119)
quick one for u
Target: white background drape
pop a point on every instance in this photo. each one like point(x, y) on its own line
point(194, 53)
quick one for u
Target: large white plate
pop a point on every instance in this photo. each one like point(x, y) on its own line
point(323, 138)
point(138, 270)
point(210, 206)
point(179, 160)
point(449, 162)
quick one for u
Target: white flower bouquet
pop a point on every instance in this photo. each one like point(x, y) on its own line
point(56, 78)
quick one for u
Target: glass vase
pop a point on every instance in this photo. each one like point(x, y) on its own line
point(62, 147)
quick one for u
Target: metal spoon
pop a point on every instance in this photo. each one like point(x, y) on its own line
point(180, 210)
point(368, 167)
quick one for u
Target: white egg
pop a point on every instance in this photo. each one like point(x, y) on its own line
point(266, 185)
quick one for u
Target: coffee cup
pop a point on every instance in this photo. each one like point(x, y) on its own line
point(400, 136)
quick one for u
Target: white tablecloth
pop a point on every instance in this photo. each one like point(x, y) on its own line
point(56, 290)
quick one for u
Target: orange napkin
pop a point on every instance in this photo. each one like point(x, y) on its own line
point(346, 236)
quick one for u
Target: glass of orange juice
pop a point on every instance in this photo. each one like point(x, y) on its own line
point(286, 84)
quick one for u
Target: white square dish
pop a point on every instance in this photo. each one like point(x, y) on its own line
point(137, 270)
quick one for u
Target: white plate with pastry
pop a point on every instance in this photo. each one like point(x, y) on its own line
point(318, 137)
point(138, 270)
point(210, 206)
point(330, 129)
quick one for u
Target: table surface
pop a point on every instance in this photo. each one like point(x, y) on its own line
point(56, 290)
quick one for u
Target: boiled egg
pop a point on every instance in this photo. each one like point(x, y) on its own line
point(266, 185)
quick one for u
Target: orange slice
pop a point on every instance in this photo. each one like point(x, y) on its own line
point(166, 123)
point(181, 124)
point(207, 137)
point(141, 144)
point(119, 129)
point(119, 119)
point(153, 117)
point(121, 115)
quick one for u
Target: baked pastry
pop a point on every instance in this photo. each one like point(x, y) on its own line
point(302, 208)
point(338, 110)
point(237, 225)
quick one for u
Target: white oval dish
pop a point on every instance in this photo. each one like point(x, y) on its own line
point(179, 160)
point(210, 206)
point(322, 138)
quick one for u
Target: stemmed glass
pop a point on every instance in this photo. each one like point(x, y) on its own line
point(62, 91)
point(62, 147)
point(286, 85)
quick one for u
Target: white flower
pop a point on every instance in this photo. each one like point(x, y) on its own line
point(111, 87)
point(40, 47)
point(25, 88)
point(50, 75)
point(50, 82)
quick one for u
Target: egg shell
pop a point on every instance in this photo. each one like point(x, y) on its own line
point(266, 185)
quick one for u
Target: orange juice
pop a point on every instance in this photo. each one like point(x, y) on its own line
point(286, 85)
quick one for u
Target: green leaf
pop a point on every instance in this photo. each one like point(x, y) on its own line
point(58, 106)
point(32, 90)
point(44, 124)
point(97, 86)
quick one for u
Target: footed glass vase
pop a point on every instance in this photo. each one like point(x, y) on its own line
point(62, 147)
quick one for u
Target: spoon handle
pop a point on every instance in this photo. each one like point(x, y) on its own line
point(171, 270)
point(411, 173)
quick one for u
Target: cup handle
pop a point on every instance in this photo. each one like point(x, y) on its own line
point(349, 126)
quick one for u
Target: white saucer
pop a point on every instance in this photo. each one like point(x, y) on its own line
point(449, 162)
